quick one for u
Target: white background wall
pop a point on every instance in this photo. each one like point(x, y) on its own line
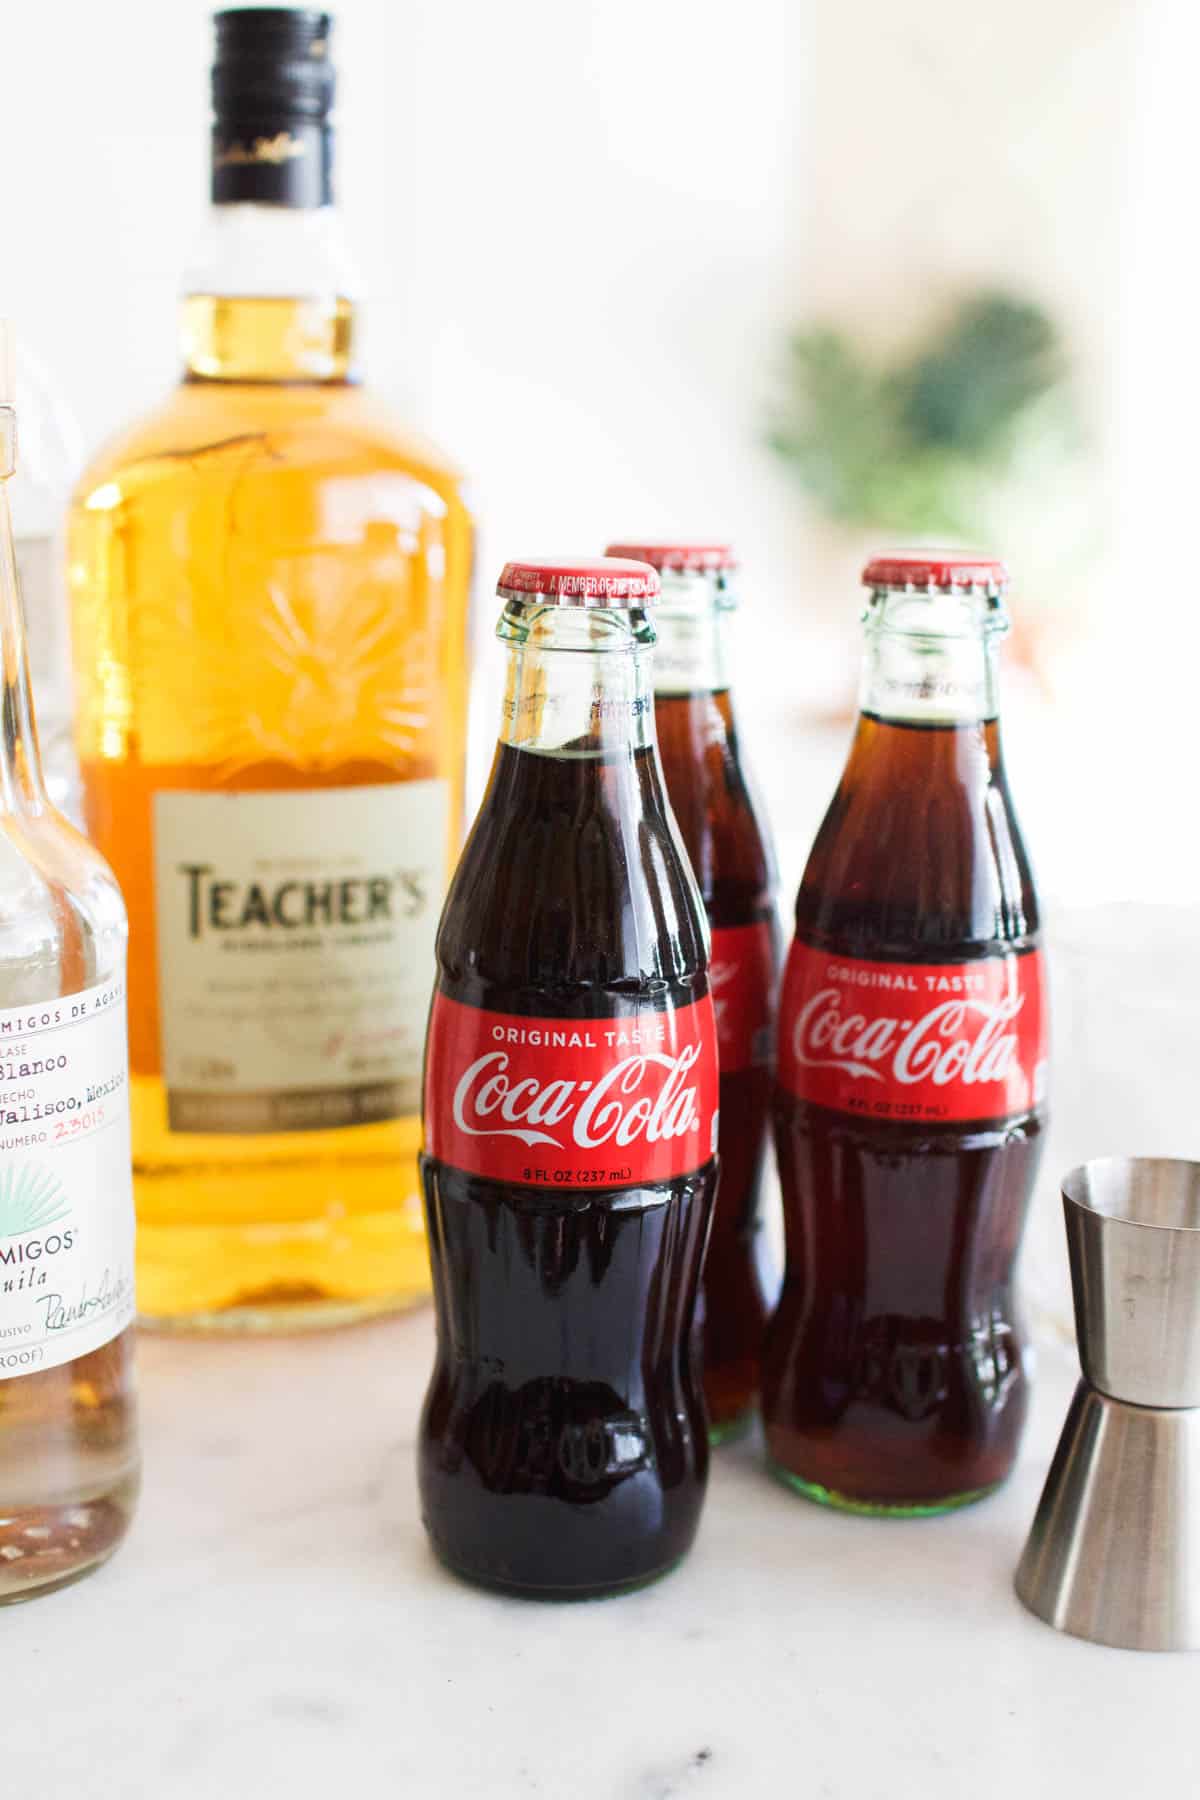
point(584, 226)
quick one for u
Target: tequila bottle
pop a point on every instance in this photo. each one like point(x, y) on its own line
point(68, 1433)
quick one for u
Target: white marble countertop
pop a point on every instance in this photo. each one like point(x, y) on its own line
point(275, 1625)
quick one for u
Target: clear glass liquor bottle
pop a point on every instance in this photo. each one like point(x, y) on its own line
point(69, 1463)
point(51, 458)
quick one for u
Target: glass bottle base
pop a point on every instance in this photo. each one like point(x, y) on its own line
point(878, 1509)
point(262, 1235)
point(609, 1590)
point(278, 1312)
point(728, 1431)
point(43, 1548)
point(277, 1250)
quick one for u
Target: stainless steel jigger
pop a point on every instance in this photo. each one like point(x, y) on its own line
point(1114, 1553)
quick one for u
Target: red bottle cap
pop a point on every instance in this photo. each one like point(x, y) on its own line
point(606, 581)
point(672, 553)
point(936, 569)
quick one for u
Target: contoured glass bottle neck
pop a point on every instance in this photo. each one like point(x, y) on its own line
point(578, 681)
point(931, 656)
point(22, 790)
point(691, 656)
point(270, 297)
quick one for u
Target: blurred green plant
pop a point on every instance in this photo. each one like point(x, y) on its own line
point(921, 446)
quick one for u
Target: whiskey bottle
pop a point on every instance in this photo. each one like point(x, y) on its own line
point(68, 1434)
point(269, 592)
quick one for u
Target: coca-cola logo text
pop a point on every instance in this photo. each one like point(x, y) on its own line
point(957, 1040)
point(640, 1094)
point(726, 981)
point(538, 1100)
point(741, 975)
point(905, 1040)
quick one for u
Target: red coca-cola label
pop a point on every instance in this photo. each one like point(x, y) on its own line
point(924, 1041)
point(571, 1102)
point(741, 974)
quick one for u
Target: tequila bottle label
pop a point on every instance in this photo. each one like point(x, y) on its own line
point(66, 1199)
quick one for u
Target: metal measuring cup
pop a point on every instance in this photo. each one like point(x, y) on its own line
point(1114, 1552)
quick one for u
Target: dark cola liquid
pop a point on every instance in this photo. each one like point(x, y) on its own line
point(733, 866)
point(563, 1443)
point(893, 1375)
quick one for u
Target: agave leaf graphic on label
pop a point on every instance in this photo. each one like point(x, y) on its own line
point(31, 1197)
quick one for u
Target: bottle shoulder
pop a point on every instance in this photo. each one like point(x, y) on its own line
point(62, 917)
point(264, 576)
point(716, 808)
point(545, 911)
point(730, 854)
point(920, 855)
point(322, 427)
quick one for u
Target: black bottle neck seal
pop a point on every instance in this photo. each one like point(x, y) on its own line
point(272, 87)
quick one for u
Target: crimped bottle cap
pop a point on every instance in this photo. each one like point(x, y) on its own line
point(685, 555)
point(603, 581)
point(945, 568)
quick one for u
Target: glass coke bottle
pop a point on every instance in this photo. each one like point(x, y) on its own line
point(726, 838)
point(910, 1092)
point(570, 1123)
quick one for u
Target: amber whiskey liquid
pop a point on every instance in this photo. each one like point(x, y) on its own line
point(269, 591)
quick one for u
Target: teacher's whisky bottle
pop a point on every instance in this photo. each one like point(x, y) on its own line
point(68, 1428)
point(269, 590)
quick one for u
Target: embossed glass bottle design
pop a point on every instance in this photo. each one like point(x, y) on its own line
point(269, 588)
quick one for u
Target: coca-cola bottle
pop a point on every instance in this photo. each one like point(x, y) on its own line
point(570, 1123)
point(910, 1093)
point(731, 855)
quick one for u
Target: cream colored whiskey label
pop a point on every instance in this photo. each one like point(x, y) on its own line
point(295, 940)
point(66, 1195)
